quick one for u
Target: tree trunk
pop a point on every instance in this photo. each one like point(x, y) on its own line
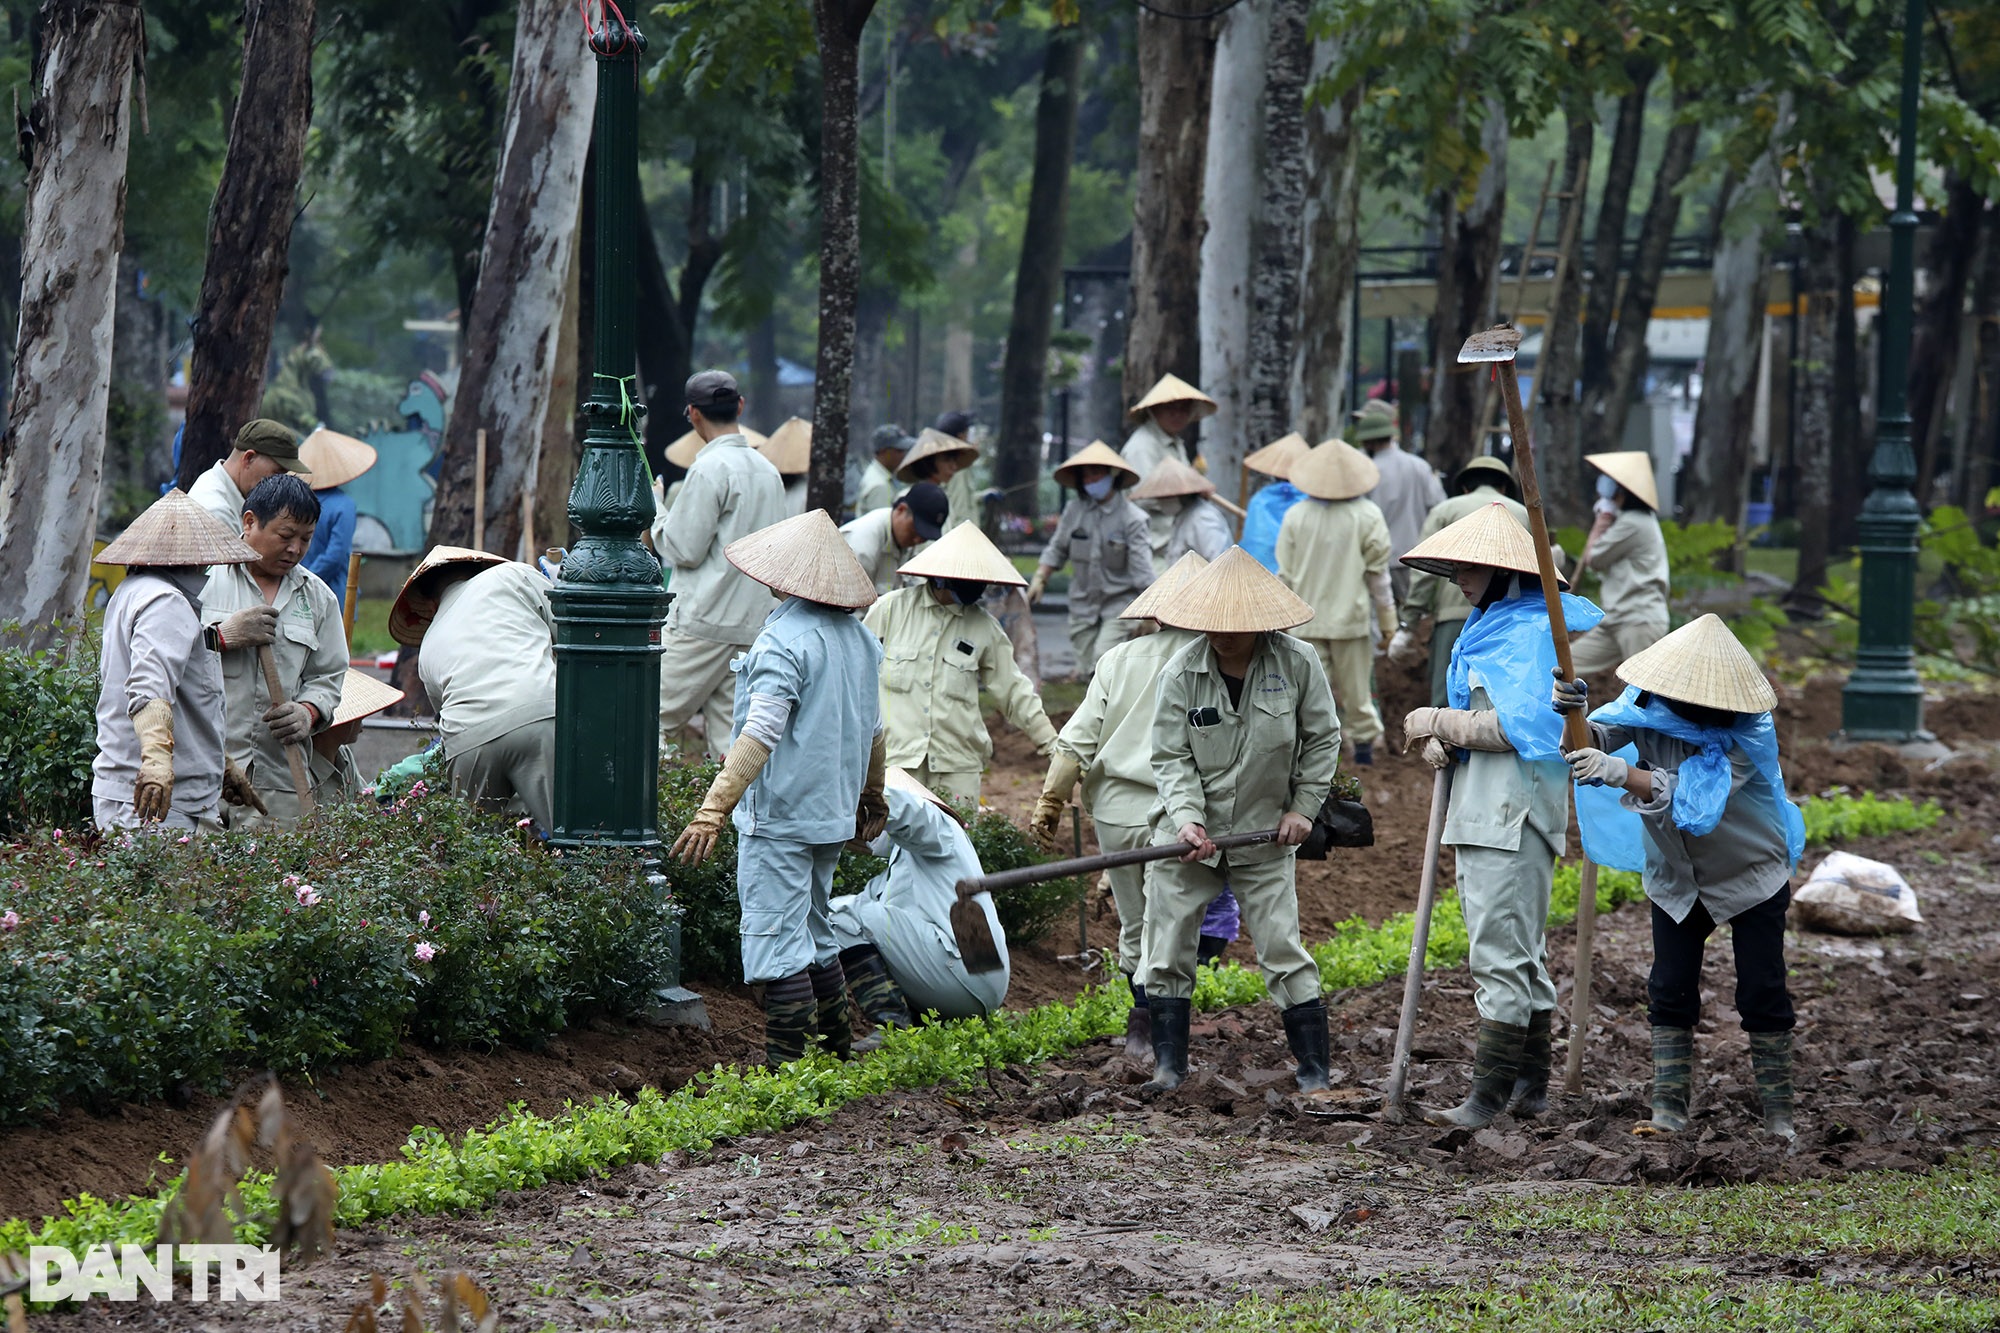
point(1934, 339)
point(584, 363)
point(667, 319)
point(1980, 447)
point(1163, 334)
point(250, 230)
point(1281, 236)
point(1232, 170)
point(839, 24)
point(1605, 411)
point(1559, 434)
point(1607, 251)
point(763, 397)
point(1853, 442)
point(1468, 260)
point(137, 442)
point(513, 332)
point(72, 225)
point(867, 402)
point(1813, 442)
point(1716, 481)
point(562, 442)
point(1332, 226)
point(1024, 373)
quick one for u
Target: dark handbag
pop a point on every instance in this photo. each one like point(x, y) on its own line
point(1341, 822)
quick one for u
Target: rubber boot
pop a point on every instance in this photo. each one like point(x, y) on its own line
point(1138, 1025)
point(1209, 948)
point(874, 992)
point(1364, 754)
point(1495, 1066)
point(789, 1010)
point(831, 1015)
point(1306, 1033)
point(1531, 1085)
point(1170, 1041)
point(1673, 1076)
point(1771, 1061)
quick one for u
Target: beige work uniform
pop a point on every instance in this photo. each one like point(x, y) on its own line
point(1110, 736)
point(488, 664)
point(1326, 550)
point(1407, 493)
point(878, 489)
point(1272, 754)
point(935, 660)
point(215, 490)
point(152, 648)
point(730, 492)
point(1438, 597)
point(310, 651)
point(1144, 448)
point(1631, 564)
point(872, 538)
point(1200, 526)
point(1105, 544)
point(962, 500)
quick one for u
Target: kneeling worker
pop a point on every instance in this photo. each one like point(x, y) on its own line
point(1244, 739)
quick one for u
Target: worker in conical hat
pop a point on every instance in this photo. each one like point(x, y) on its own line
point(1103, 538)
point(1333, 550)
point(803, 775)
point(1408, 490)
point(1159, 419)
point(335, 775)
point(1199, 523)
point(1629, 553)
point(1275, 498)
point(940, 648)
point(789, 448)
point(731, 490)
point(1692, 746)
point(1244, 739)
point(1508, 820)
point(161, 757)
point(945, 459)
point(878, 481)
point(335, 460)
point(1107, 747)
point(1482, 481)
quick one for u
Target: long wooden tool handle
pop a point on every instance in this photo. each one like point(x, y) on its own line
point(1420, 939)
point(1086, 865)
point(295, 754)
point(1576, 733)
point(1579, 1003)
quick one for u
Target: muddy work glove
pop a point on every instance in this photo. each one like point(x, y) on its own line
point(1064, 770)
point(745, 761)
point(1461, 728)
point(1405, 650)
point(153, 789)
point(236, 788)
point(871, 812)
point(1569, 696)
point(1038, 584)
point(252, 627)
point(1594, 768)
point(290, 722)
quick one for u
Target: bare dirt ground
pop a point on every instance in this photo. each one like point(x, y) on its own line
point(1060, 1189)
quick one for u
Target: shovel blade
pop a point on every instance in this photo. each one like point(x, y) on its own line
point(1498, 343)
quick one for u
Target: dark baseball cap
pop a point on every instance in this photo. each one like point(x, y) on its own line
point(954, 424)
point(891, 436)
point(928, 507)
point(713, 389)
point(275, 440)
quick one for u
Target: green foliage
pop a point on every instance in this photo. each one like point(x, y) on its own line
point(1838, 816)
point(147, 961)
point(1964, 624)
point(48, 735)
point(1026, 914)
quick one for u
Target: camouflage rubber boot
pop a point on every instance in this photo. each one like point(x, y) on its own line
point(1495, 1066)
point(1771, 1061)
point(788, 1018)
point(831, 1017)
point(1531, 1085)
point(1673, 1075)
point(880, 999)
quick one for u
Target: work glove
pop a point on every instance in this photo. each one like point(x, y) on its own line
point(1569, 696)
point(1461, 728)
point(290, 722)
point(871, 812)
point(1064, 771)
point(1418, 723)
point(153, 789)
point(1385, 620)
point(746, 759)
point(1594, 768)
point(236, 788)
point(1435, 754)
point(1405, 649)
point(1038, 584)
point(252, 627)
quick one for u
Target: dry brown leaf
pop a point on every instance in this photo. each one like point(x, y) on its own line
point(305, 1189)
point(200, 1212)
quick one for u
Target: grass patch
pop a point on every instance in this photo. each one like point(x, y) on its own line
point(371, 635)
point(1840, 815)
point(1950, 1213)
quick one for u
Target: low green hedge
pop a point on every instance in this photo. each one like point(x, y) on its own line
point(131, 966)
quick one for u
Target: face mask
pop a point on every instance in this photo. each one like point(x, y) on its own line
point(1098, 489)
point(1171, 504)
point(964, 591)
point(1607, 489)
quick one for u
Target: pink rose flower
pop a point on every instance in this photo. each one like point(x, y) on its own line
point(307, 895)
point(423, 918)
point(426, 951)
point(10, 920)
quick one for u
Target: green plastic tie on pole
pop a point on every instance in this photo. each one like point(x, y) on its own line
point(628, 417)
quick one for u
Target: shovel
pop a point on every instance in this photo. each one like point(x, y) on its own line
point(976, 946)
point(295, 754)
point(1420, 939)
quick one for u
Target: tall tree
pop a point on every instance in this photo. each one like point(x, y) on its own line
point(75, 135)
point(1978, 450)
point(1607, 251)
point(1162, 334)
point(1281, 237)
point(1038, 280)
point(1233, 170)
point(1940, 318)
point(1818, 398)
point(1332, 240)
point(1559, 430)
point(513, 330)
point(1469, 233)
point(250, 230)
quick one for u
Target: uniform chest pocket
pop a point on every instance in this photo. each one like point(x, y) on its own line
point(1116, 554)
point(298, 630)
point(959, 669)
point(1272, 724)
point(1214, 746)
point(902, 670)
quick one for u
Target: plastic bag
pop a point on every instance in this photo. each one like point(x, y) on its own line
point(1851, 895)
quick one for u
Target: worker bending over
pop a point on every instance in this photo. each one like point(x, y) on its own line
point(1630, 557)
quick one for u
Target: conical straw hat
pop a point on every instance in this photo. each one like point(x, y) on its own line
point(930, 443)
point(175, 530)
point(1632, 469)
point(1171, 477)
point(681, 453)
point(1096, 454)
point(407, 625)
point(896, 779)
point(1234, 595)
point(804, 556)
point(1489, 535)
point(1335, 470)
point(964, 553)
point(1277, 458)
point(362, 695)
point(335, 459)
point(1172, 389)
point(1702, 663)
point(790, 447)
point(1165, 586)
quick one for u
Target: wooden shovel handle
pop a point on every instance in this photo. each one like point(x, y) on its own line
point(295, 754)
point(1085, 865)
